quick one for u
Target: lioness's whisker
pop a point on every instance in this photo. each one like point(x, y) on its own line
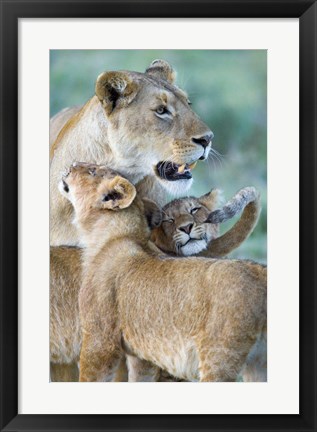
point(214, 163)
point(214, 154)
point(214, 151)
point(216, 157)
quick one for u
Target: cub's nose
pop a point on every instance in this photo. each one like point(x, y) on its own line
point(204, 140)
point(186, 228)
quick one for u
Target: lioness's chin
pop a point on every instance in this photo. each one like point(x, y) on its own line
point(176, 188)
point(193, 247)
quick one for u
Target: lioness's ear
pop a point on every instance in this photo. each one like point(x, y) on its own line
point(152, 212)
point(116, 194)
point(162, 70)
point(212, 199)
point(115, 89)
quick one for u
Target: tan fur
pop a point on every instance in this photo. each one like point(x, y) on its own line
point(171, 236)
point(201, 325)
point(232, 239)
point(120, 127)
point(178, 214)
point(64, 372)
point(168, 236)
point(255, 368)
point(65, 328)
point(58, 121)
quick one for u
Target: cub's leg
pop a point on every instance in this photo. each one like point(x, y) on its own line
point(222, 360)
point(141, 370)
point(122, 371)
point(65, 372)
point(101, 350)
point(99, 358)
point(255, 368)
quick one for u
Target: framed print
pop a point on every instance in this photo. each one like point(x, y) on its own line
point(98, 81)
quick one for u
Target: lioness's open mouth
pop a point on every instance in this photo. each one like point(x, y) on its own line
point(172, 172)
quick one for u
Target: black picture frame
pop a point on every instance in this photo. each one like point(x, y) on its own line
point(11, 11)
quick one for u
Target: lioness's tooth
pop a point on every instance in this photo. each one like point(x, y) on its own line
point(192, 166)
point(181, 169)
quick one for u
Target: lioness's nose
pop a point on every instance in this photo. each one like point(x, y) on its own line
point(204, 140)
point(186, 228)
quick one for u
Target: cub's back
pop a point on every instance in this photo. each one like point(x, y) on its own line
point(184, 290)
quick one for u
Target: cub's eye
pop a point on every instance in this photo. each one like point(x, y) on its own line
point(92, 172)
point(162, 110)
point(168, 220)
point(194, 210)
point(189, 102)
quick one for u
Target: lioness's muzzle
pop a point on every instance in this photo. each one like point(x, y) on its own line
point(173, 172)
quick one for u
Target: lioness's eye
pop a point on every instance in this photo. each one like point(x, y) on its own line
point(194, 210)
point(162, 110)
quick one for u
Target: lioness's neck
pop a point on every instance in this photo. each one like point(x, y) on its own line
point(86, 143)
point(90, 140)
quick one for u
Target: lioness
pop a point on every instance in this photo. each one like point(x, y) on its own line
point(65, 328)
point(140, 124)
point(197, 318)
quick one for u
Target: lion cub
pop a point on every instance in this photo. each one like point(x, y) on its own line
point(65, 331)
point(190, 226)
point(196, 318)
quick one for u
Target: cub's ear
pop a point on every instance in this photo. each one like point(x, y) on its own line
point(64, 189)
point(162, 70)
point(152, 213)
point(116, 194)
point(212, 199)
point(115, 89)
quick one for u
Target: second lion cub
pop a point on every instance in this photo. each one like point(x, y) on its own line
point(190, 226)
point(196, 318)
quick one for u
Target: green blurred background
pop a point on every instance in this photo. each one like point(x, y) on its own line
point(227, 89)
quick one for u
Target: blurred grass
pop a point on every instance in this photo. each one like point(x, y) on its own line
point(228, 91)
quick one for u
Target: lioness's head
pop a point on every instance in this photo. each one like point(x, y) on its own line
point(183, 230)
point(150, 123)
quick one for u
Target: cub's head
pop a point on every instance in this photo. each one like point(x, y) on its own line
point(151, 125)
point(183, 231)
point(91, 187)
